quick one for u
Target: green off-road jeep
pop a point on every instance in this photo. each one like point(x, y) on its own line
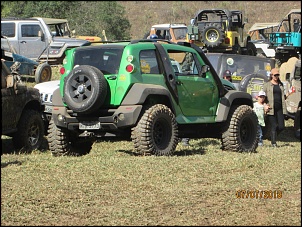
point(150, 91)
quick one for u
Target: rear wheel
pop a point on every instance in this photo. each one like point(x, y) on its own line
point(63, 142)
point(156, 133)
point(240, 131)
point(30, 132)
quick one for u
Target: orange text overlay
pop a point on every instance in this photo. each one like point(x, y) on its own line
point(259, 194)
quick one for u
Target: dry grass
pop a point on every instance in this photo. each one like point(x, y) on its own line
point(112, 186)
point(196, 186)
point(143, 14)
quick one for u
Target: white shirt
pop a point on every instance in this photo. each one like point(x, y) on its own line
point(259, 110)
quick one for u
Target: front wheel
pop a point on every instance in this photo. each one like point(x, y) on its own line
point(240, 131)
point(156, 132)
point(65, 143)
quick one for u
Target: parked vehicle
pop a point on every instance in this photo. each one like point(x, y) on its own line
point(259, 33)
point(33, 39)
point(287, 38)
point(41, 72)
point(282, 40)
point(46, 90)
point(21, 111)
point(293, 84)
point(249, 73)
point(131, 89)
point(173, 32)
point(220, 30)
point(60, 27)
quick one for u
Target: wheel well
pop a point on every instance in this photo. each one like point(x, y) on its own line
point(33, 105)
point(158, 99)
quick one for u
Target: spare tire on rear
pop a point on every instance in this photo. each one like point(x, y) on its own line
point(85, 89)
point(212, 35)
point(252, 84)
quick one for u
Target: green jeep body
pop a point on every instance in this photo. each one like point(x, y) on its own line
point(152, 92)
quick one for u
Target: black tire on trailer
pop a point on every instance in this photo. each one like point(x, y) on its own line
point(43, 73)
point(85, 89)
point(249, 82)
point(156, 132)
point(239, 132)
point(30, 132)
point(62, 142)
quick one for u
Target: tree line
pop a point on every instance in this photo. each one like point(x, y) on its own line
point(85, 17)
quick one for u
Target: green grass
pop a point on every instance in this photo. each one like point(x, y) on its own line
point(113, 186)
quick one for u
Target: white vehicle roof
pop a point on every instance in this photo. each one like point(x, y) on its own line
point(48, 87)
point(258, 26)
point(167, 26)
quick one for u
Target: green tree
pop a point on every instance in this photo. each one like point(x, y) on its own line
point(85, 17)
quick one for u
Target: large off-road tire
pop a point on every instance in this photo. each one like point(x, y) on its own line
point(30, 132)
point(62, 142)
point(251, 49)
point(85, 89)
point(43, 73)
point(240, 131)
point(156, 132)
point(297, 126)
point(212, 35)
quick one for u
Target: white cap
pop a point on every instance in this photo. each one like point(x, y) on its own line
point(261, 93)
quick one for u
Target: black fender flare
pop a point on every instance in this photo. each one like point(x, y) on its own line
point(232, 97)
point(140, 92)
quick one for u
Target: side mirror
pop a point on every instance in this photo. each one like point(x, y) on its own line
point(287, 76)
point(204, 70)
point(192, 21)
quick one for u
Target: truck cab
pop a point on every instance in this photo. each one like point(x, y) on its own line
point(33, 39)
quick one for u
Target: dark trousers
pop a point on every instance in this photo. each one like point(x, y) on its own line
point(277, 124)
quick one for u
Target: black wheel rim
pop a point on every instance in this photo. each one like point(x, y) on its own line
point(80, 88)
point(161, 133)
point(33, 134)
point(246, 131)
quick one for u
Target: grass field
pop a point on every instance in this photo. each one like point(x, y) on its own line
point(198, 185)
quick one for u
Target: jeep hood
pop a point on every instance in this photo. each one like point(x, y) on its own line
point(48, 87)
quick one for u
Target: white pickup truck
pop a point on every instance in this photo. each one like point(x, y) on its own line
point(32, 38)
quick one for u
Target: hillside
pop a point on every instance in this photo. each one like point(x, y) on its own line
point(143, 14)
